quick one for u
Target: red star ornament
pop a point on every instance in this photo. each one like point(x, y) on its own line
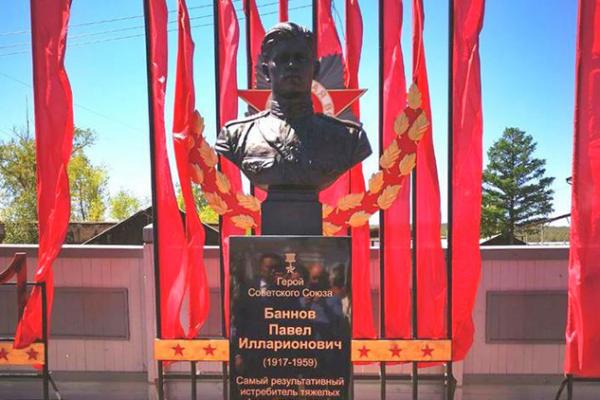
point(427, 351)
point(395, 350)
point(3, 354)
point(32, 354)
point(178, 350)
point(209, 350)
point(364, 352)
point(330, 102)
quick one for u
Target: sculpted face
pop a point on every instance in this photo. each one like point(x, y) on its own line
point(290, 67)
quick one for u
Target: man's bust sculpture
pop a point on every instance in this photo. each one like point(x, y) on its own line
point(289, 150)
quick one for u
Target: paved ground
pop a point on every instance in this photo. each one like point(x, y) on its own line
point(137, 389)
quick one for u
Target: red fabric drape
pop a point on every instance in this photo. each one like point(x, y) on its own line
point(227, 45)
point(362, 316)
point(328, 44)
point(582, 356)
point(467, 169)
point(430, 256)
point(171, 238)
point(283, 11)
point(396, 230)
point(54, 141)
point(257, 34)
point(184, 122)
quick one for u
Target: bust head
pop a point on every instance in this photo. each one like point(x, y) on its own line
point(288, 60)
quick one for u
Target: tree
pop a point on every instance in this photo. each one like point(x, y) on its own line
point(123, 205)
point(88, 186)
point(18, 203)
point(206, 213)
point(17, 188)
point(516, 192)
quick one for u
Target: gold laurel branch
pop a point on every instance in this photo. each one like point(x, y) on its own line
point(389, 156)
point(386, 199)
point(208, 155)
point(350, 201)
point(376, 182)
point(414, 97)
point(359, 218)
point(326, 210)
point(330, 229)
point(222, 182)
point(196, 174)
point(408, 163)
point(217, 203)
point(401, 124)
point(243, 221)
point(248, 201)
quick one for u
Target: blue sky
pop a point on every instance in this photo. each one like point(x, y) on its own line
point(527, 56)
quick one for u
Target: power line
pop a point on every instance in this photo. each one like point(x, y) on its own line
point(124, 29)
point(80, 44)
point(105, 21)
point(81, 106)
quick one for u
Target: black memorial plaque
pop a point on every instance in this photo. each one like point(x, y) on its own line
point(290, 331)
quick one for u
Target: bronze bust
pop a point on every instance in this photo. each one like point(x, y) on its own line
point(290, 145)
point(290, 148)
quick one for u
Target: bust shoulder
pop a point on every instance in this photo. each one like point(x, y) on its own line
point(235, 123)
point(351, 126)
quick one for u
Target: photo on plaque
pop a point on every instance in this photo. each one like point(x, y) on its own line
point(290, 324)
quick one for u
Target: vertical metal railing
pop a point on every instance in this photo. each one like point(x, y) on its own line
point(449, 377)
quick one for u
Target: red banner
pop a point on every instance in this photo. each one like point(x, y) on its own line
point(396, 226)
point(328, 44)
point(582, 355)
point(256, 35)
point(185, 123)
point(171, 238)
point(431, 271)
point(362, 316)
point(228, 36)
point(466, 171)
point(54, 141)
point(283, 10)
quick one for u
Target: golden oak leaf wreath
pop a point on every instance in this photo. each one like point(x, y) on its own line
point(353, 210)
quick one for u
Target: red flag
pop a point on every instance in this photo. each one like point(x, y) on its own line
point(466, 171)
point(430, 256)
point(328, 45)
point(582, 356)
point(283, 10)
point(362, 315)
point(257, 33)
point(185, 122)
point(54, 141)
point(396, 227)
point(171, 238)
point(228, 36)
point(256, 36)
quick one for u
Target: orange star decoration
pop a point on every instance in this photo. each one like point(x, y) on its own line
point(353, 210)
point(364, 351)
point(32, 354)
point(395, 350)
point(209, 350)
point(178, 350)
point(427, 351)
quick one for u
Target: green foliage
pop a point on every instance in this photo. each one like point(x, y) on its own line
point(206, 213)
point(516, 192)
point(17, 188)
point(88, 185)
point(123, 205)
point(18, 202)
